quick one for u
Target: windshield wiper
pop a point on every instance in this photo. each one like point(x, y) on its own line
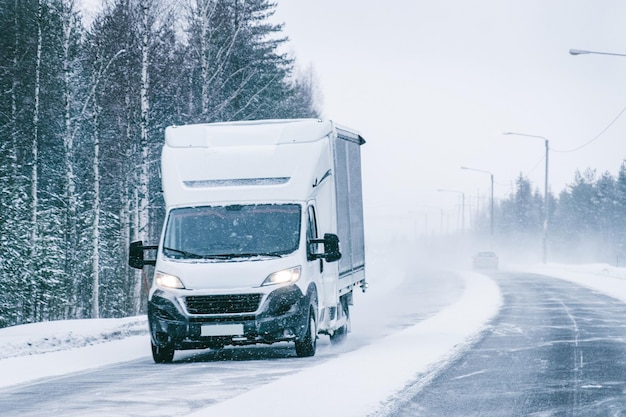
point(272, 254)
point(247, 255)
point(192, 255)
point(218, 256)
point(185, 253)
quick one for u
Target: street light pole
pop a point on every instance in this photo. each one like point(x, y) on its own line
point(545, 195)
point(491, 218)
point(462, 206)
point(584, 52)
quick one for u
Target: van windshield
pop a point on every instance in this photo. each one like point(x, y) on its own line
point(235, 231)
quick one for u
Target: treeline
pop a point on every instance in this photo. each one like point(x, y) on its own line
point(586, 222)
point(82, 115)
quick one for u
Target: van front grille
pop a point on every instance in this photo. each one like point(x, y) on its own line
point(223, 304)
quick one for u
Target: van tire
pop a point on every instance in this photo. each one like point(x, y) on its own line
point(162, 354)
point(306, 346)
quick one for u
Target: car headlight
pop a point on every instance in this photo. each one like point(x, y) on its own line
point(283, 277)
point(167, 281)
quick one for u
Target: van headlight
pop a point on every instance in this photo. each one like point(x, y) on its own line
point(283, 277)
point(167, 280)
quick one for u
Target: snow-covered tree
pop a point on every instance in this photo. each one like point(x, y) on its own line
point(81, 126)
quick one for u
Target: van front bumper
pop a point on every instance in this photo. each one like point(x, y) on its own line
point(282, 316)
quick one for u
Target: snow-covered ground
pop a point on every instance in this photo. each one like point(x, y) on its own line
point(48, 349)
point(375, 371)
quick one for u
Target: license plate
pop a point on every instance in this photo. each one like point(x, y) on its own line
point(221, 330)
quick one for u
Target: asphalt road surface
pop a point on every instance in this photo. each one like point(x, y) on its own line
point(555, 349)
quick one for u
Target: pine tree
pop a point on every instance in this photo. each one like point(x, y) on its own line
point(606, 214)
point(15, 228)
point(620, 213)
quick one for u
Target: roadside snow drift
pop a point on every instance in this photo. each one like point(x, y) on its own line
point(358, 383)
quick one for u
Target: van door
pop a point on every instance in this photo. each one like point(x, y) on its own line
point(315, 265)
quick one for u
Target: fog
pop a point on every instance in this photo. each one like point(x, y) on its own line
point(453, 249)
point(433, 85)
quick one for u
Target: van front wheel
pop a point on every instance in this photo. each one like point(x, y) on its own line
point(162, 354)
point(306, 346)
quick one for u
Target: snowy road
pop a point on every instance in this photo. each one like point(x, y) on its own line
point(416, 344)
point(555, 349)
point(141, 388)
point(198, 379)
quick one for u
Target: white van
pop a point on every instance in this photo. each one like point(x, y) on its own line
point(263, 239)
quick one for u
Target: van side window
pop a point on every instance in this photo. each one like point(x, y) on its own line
point(311, 233)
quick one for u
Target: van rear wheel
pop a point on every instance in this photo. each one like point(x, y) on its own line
point(162, 354)
point(306, 346)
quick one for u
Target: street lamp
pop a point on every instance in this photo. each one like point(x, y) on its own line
point(584, 52)
point(462, 205)
point(545, 195)
point(491, 198)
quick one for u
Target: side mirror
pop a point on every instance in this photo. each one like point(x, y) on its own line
point(331, 247)
point(136, 255)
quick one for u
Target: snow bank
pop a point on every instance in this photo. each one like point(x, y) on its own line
point(358, 382)
point(51, 336)
point(48, 349)
point(604, 278)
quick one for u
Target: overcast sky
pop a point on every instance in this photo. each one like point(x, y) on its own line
point(433, 84)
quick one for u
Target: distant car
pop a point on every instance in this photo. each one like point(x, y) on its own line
point(485, 260)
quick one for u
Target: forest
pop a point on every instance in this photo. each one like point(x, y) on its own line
point(82, 114)
point(586, 220)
